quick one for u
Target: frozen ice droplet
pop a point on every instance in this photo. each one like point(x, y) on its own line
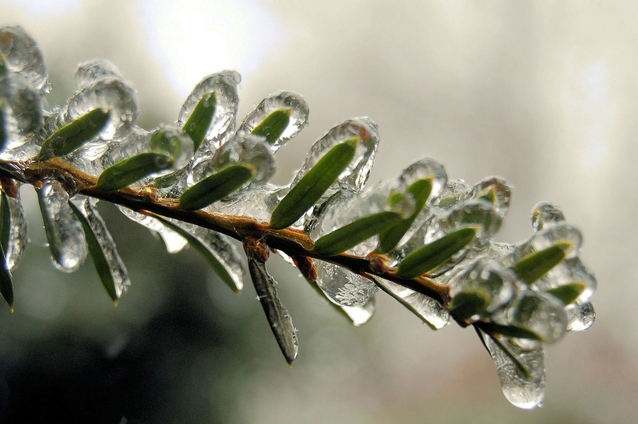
point(426, 308)
point(495, 191)
point(356, 174)
point(22, 55)
point(172, 241)
point(224, 85)
point(93, 70)
point(557, 233)
point(21, 107)
point(282, 100)
point(18, 236)
point(111, 94)
point(242, 148)
point(64, 232)
point(520, 371)
point(569, 271)
point(344, 287)
point(546, 214)
point(359, 314)
point(580, 316)
point(475, 213)
point(116, 267)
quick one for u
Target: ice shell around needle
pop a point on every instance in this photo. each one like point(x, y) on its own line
point(18, 235)
point(224, 85)
point(343, 287)
point(520, 371)
point(94, 70)
point(546, 214)
point(64, 232)
point(356, 174)
point(22, 106)
point(23, 56)
point(285, 99)
point(117, 268)
point(426, 308)
point(580, 316)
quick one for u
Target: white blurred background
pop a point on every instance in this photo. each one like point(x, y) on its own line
point(541, 93)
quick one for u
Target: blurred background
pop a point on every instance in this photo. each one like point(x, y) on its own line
point(541, 93)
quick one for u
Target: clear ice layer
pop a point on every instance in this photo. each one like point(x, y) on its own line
point(64, 232)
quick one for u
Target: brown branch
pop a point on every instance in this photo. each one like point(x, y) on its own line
point(294, 243)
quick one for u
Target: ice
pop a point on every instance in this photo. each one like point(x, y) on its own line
point(489, 277)
point(18, 236)
point(242, 148)
point(474, 213)
point(94, 70)
point(455, 191)
point(359, 314)
point(22, 55)
point(22, 108)
point(285, 99)
point(425, 169)
point(426, 308)
point(173, 242)
point(112, 94)
point(117, 268)
point(561, 232)
point(546, 214)
point(257, 203)
point(224, 85)
point(222, 248)
point(344, 287)
point(496, 191)
point(520, 371)
point(64, 232)
point(535, 311)
point(580, 316)
point(277, 315)
point(569, 271)
point(356, 174)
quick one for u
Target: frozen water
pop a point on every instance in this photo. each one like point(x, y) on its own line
point(496, 191)
point(172, 241)
point(258, 203)
point(560, 232)
point(283, 100)
point(356, 174)
point(580, 316)
point(94, 70)
point(520, 371)
point(569, 271)
point(344, 287)
point(242, 148)
point(112, 94)
point(224, 85)
point(22, 55)
point(64, 232)
point(474, 213)
point(359, 314)
point(535, 311)
point(546, 214)
point(22, 108)
point(426, 308)
point(18, 236)
point(105, 240)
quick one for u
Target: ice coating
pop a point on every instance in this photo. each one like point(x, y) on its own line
point(359, 314)
point(560, 232)
point(22, 108)
point(520, 371)
point(64, 232)
point(569, 271)
point(111, 94)
point(489, 277)
point(18, 236)
point(426, 308)
point(242, 148)
point(356, 174)
point(343, 287)
point(224, 85)
point(116, 267)
point(257, 203)
point(545, 214)
point(173, 242)
point(478, 214)
point(87, 73)
point(222, 248)
point(22, 55)
point(282, 100)
point(496, 191)
point(580, 316)
point(535, 311)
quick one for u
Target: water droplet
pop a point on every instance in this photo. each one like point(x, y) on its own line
point(285, 99)
point(64, 232)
